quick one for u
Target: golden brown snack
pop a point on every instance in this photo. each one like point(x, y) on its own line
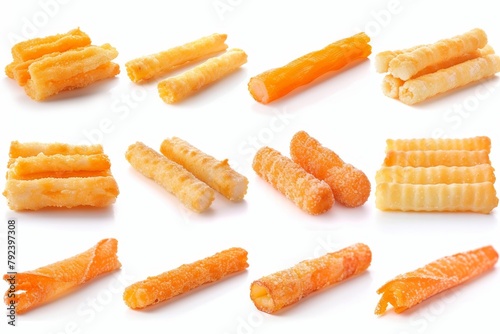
point(187, 277)
point(436, 158)
point(478, 143)
point(217, 174)
point(151, 66)
point(176, 88)
point(193, 193)
point(28, 149)
point(283, 288)
point(382, 59)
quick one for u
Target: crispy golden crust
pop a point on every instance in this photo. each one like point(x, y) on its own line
point(436, 174)
point(427, 158)
point(477, 143)
point(28, 149)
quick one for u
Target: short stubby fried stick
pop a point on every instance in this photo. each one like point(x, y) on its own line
point(410, 289)
point(192, 192)
point(425, 158)
point(406, 65)
point(45, 284)
point(150, 66)
point(284, 288)
point(419, 89)
point(457, 197)
point(160, 288)
point(217, 174)
point(175, 89)
point(432, 144)
point(28, 149)
point(66, 192)
point(350, 186)
point(306, 191)
point(436, 174)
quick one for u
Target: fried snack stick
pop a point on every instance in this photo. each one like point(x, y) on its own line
point(307, 192)
point(406, 65)
point(148, 67)
point(283, 288)
point(408, 290)
point(176, 88)
point(456, 197)
point(96, 191)
point(28, 149)
point(217, 174)
point(187, 277)
point(45, 284)
point(436, 174)
point(433, 144)
point(421, 88)
point(193, 193)
point(278, 82)
point(436, 158)
point(382, 59)
point(349, 185)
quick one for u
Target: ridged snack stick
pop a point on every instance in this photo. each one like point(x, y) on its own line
point(160, 288)
point(45, 284)
point(306, 191)
point(382, 59)
point(436, 158)
point(457, 197)
point(217, 174)
point(410, 289)
point(478, 143)
point(177, 88)
point(28, 149)
point(273, 292)
point(193, 193)
point(150, 66)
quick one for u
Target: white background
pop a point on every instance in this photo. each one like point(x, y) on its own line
point(346, 112)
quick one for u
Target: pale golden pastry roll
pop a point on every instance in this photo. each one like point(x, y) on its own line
point(99, 191)
point(217, 174)
point(406, 65)
point(382, 59)
point(148, 67)
point(390, 86)
point(419, 89)
point(176, 88)
point(436, 158)
point(432, 144)
point(193, 193)
point(28, 149)
point(436, 174)
point(456, 197)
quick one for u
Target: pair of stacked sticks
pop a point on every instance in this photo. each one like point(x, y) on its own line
point(269, 294)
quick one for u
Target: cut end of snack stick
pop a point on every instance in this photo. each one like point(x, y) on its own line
point(410, 289)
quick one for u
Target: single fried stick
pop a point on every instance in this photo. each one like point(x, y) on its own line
point(278, 82)
point(382, 59)
point(176, 88)
point(96, 191)
point(45, 284)
point(410, 289)
point(283, 288)
point(151, 66)
point(193, 193)
point(421, 88)
point(406, 65)
point(457, 197)
point(437, 157)
point(436, 174)
point(28, 149)
point(187, 277)
point(433, 144)
point(350, 186)
point(306, 191)
point(217, 174)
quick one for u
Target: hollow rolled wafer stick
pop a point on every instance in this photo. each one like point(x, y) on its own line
point(436, 158)
point(176, 88)
point(217, 174)
point(283, 288)
point(148, 67)
point(185, 278)
point(406, 65)
point(421, 88)
point(193, 193)
point(307, 192)
point(28, 149)
point(436, 174)
point(350, 186)
point(96, 191)
point(410, 289)
point(382, 59)
point(433, 144)
point(457, 197)
point(45, 284)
